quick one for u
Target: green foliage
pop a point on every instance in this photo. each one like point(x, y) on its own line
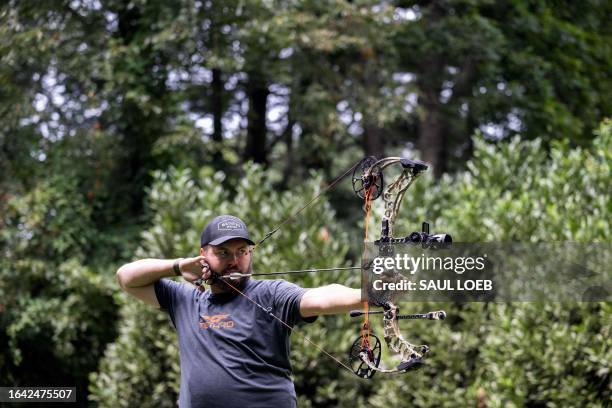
point(555, 57)
point(556, 354)
point(507, 67)
point(51, 322)
point(141, 367)
point(520, 192)
point(52, 303)
point(52, 221)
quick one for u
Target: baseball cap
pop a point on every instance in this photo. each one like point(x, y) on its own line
point(223, 228)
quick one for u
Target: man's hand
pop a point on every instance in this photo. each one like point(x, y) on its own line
point(195, 268)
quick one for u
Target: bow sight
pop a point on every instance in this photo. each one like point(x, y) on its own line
point(427, 240)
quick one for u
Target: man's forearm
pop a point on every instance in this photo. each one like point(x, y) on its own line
point(144, 272)
point(330, 299)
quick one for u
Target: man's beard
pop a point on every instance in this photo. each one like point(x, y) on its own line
point(225, 285)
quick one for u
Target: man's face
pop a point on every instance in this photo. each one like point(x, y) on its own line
point(233, 256)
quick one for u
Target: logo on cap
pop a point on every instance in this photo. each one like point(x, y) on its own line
point(230, 225)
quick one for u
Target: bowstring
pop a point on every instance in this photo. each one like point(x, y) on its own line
point(365, 328)
point(308, 204)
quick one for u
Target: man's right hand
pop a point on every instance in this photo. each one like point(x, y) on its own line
point(194, 268)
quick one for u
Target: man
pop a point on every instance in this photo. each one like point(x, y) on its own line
point(232, 351)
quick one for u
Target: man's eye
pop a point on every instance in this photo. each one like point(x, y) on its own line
point(222, 254)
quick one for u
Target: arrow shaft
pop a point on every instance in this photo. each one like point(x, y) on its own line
point(311, 270)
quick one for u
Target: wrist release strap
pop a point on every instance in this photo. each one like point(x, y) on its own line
point(176, 267)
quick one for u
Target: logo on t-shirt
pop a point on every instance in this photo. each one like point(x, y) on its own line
point(220, 321)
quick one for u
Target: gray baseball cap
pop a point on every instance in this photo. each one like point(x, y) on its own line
point(223, 228)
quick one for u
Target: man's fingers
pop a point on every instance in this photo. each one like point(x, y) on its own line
point(196, 266)
point(192, 264)
point(196, 260)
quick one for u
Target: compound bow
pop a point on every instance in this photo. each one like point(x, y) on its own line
point(368, 183)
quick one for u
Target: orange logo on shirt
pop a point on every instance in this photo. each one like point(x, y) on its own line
point(219, 321)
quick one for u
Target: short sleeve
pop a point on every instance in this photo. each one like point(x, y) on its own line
point(167, 292)
point(287, 298)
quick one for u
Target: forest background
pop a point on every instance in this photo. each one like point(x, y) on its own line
point(125, 126)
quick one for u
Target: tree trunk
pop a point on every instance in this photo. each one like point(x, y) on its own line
point(373, 142)
point(432, 138)
point(257, 93)
point(136, 141)
point(372, 139)
point(289, 154)
point(217, 111)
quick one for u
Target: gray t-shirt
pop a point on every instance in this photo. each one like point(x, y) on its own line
point(233, 354)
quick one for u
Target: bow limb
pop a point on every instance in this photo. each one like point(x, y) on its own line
point(410, 355)
point(394, 193)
